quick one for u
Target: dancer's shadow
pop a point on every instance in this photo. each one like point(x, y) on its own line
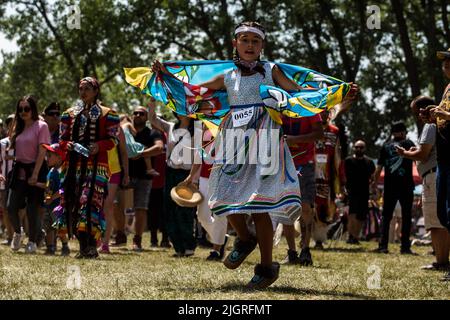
point(239, 287)
point(345, 250)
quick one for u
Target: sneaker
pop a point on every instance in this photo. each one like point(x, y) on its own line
point(381, 250)
point(214, 256)
point(291, 257)
point(121, 240)
point(436, 267)
point(408, 251)
point(137, 243)
point(31, 247)
point(189, 253)
point(50, 251)
point(6, 242)
point(65, 250)
point(165, 244)
point(16, 242)
point(105, 249)
point(305, 258)
point(240, 251)
point(264, 276)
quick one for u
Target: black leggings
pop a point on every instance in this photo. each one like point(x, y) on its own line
point(25, 195)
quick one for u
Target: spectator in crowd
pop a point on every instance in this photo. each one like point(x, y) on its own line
point(329, 177)
point(442, 116)
point(179, 220)
point(156, 212)
point(359, 170)
point(215, 226)
point(55, 158)
point(52, 116)
point(6, 164)
point(425, 154)
point(301, 135)
point(140, 179)
point(398, 186)
point(28, 133)
point(88, 131)
point(118, 167)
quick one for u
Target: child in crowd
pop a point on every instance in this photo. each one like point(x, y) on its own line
point(135, 148)
point(55, 158)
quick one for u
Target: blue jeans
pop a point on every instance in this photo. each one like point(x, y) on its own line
point(443, 194)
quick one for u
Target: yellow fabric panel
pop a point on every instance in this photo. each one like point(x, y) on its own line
point(138, 77)
point(113, 160)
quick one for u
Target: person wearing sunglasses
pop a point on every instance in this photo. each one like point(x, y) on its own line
point(92, 126)
point(28, 134)
point(52, 115)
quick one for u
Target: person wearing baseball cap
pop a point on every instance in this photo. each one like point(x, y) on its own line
point(55, 158)
point(56, 148)
point(398, 186)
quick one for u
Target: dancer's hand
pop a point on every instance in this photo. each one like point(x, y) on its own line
point(93, 149)
point(70, 146)
point(159, 67)
point(352, 95)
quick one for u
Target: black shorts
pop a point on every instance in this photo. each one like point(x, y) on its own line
point(359, 205)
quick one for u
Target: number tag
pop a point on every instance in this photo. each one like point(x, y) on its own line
point(242, 117)
point(321, 158)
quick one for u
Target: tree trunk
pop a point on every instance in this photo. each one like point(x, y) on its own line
point(411, 63)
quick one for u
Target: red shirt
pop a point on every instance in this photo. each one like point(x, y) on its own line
point(159, 164)
point(302, 153)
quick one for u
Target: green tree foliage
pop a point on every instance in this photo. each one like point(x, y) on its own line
point(391, 64)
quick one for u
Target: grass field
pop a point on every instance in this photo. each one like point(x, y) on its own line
point(339, 272)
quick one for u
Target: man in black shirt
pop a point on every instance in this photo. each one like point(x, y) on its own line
point(140, 181)
point(398, 186)
point(359, 174)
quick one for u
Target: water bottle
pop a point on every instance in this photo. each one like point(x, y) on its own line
point(81, 150)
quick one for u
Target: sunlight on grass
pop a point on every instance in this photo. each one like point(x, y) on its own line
point(340, 272)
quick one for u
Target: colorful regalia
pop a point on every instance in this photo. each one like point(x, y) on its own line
point(329, 173)
point(247, 187)
point(86, 178)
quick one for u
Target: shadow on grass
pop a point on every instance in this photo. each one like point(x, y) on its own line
point(346, 250)
point(240, 288)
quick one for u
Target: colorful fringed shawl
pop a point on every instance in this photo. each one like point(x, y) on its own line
point(86, 179)
point(184, 96)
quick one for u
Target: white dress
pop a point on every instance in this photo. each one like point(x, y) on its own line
point(259, 175)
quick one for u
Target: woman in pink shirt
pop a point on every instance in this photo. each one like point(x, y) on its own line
point(28, 134)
